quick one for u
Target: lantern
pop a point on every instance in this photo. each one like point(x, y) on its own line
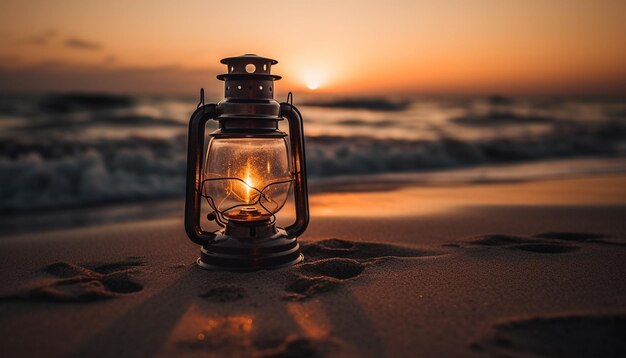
point(246, 173)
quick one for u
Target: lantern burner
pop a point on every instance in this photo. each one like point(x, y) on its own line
point(247, 214)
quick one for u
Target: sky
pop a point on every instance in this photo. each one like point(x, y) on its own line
point(343, 47)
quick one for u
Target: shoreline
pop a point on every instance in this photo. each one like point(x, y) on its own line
point(367, 187)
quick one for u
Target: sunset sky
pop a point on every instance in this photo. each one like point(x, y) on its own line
point(361, 47)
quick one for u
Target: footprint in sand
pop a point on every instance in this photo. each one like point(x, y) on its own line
point(322, 276)
point(581, 237)
point(229, 338)
point(566, 336)
point(362, 251)
point(73, 283)
point(222, 294)
point(534, 244)
point(332, 262)
point(544, 243)
point(292, 346)
point(545, 248)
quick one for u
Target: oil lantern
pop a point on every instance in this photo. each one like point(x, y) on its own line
point(242, 173)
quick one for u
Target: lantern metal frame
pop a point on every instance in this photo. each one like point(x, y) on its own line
point(248, 111)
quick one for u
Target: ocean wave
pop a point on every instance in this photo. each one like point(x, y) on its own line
point(109, 120)
point(329, 156)
point(385, 123)
point(72, 102)
point(497, 118)
point(372, 104)
point(65, 173)
point(71, 172)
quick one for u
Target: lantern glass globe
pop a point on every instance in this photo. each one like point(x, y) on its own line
point(248, 179)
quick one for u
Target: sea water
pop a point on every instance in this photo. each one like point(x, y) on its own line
point(76, 150)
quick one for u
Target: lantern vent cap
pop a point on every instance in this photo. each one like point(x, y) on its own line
point(248, 66)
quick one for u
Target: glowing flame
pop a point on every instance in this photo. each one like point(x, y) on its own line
point(249, 183)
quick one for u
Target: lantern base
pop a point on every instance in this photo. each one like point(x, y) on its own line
point(234, 254)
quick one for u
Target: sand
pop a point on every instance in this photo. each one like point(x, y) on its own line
point(511, 269)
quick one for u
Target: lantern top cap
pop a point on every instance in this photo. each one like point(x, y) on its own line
point(246, 57)
point(248, 66)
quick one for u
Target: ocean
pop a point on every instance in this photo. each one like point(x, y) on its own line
point(73, 150)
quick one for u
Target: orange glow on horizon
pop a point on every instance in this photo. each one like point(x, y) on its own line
point(445, 46)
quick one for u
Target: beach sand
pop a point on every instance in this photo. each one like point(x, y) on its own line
point(520, 268)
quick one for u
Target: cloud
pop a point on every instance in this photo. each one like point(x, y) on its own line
point(109, 59)
point(103, 77)
point(81, 44)
point(9, 59)
point(43, 38)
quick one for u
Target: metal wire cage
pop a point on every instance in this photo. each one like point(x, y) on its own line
point(246, 179)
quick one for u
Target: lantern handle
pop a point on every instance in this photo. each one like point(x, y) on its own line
point(296, 138)
point(193, 196)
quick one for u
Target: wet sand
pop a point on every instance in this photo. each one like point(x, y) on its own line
point(472, 270)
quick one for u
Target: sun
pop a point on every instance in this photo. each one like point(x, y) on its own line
point(312, 85)
point(313, 80)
